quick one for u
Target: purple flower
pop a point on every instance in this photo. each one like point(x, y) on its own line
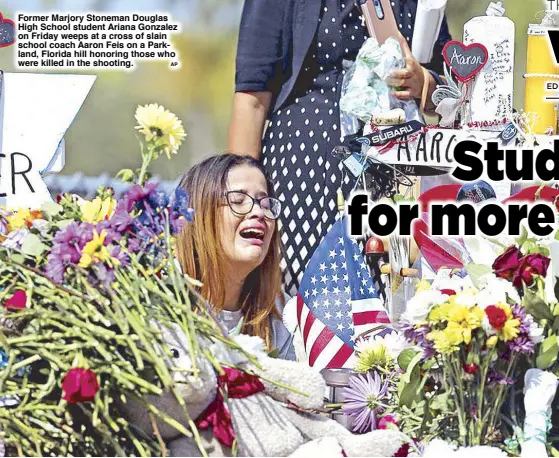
point(137, 192)
point(495, 377)
point(179, 204)
point(522, 344)
point(418, 336)
point(55, 270)
point(363, 400)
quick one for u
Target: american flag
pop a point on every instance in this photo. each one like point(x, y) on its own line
point(337, 301)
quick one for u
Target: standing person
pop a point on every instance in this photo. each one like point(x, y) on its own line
point(290, 72)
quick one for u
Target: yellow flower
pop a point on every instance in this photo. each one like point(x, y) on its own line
point(94, 250)
point(446, 341)
point(373, 355)
point(158, 124)
point(492, 341)
point(422, 285)
point(97, 209)
point(23, 217)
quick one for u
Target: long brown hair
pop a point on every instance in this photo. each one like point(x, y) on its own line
point(201, 253)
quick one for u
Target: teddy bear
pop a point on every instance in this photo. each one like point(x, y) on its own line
point(272, 407)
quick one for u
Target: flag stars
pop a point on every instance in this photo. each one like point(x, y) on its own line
point(314, 291)
point(348, 290)
point(364, 281)
point(371, 290)
point(342, 253)
point(307, 294)
point(337, 303)
point(362, 291)
point(313, 280)
point(339, 314)
point(323, 267)
point(324, 279)
point(340, 327)
point(335, 278)
point(336, 290)
point(326, 303)
point(332, 253)
point(346, 278)
point(340, 241)
point(334, 266)
point(327, 315)
point(324, 290)
point(356, 257)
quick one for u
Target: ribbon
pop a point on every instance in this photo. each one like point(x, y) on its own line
point(233, 384)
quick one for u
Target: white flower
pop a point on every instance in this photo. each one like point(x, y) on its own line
point(42, 225)
point(536, 332)
point(394, 343)
point(466, 299)
point(419, 306)
point(15, 239)
point(495, 290)
point(489, 330)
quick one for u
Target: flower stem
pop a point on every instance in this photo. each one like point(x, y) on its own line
point(146, 161)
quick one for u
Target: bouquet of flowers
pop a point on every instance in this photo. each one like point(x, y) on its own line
point(81, 285)
point(464, 353)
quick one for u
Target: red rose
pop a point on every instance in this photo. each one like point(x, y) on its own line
point(505, 265)
point(530, 265)
point(471, 368)
point(496, 316)
point(448, 292)
point(403, 450)
point(17, 301)
point(80, 385)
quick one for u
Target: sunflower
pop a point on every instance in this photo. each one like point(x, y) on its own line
point(161, 126)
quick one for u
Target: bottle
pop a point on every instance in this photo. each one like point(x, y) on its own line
point(492, 92)
point(540, 69)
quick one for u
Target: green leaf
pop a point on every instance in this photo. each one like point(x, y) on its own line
point(33, 246)
point(125, 175)
point(274, 353)
point(476, 271)
point(411, 381)
point(536, 306)
point(523, 236)
point(556, 288)
point(548, 353)
point(63, 223)
point(51, 208)
point(405, 358)
point(440, 402)
point(557, 235)
point(411, 387)
point(17, 257)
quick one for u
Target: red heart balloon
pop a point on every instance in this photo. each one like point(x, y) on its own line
point(438, 256)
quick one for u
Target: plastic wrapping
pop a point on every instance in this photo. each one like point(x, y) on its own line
point(428, 19)
point(539, 390)
point(365, 92)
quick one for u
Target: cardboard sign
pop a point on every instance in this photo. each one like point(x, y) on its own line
point(36, 110)
point(465, 61)
point(492, 92)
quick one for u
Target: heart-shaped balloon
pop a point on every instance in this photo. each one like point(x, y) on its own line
point(7, 32)
point(446, 252)
point(465, 61)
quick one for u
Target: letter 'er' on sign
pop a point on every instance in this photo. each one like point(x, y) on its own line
point(36, 111)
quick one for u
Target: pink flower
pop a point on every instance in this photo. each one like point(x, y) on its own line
point(17, 301)
point(80, 385)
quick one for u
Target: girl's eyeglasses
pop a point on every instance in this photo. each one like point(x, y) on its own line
point(242, 203)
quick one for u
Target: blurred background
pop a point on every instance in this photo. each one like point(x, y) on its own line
point(102, 139)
